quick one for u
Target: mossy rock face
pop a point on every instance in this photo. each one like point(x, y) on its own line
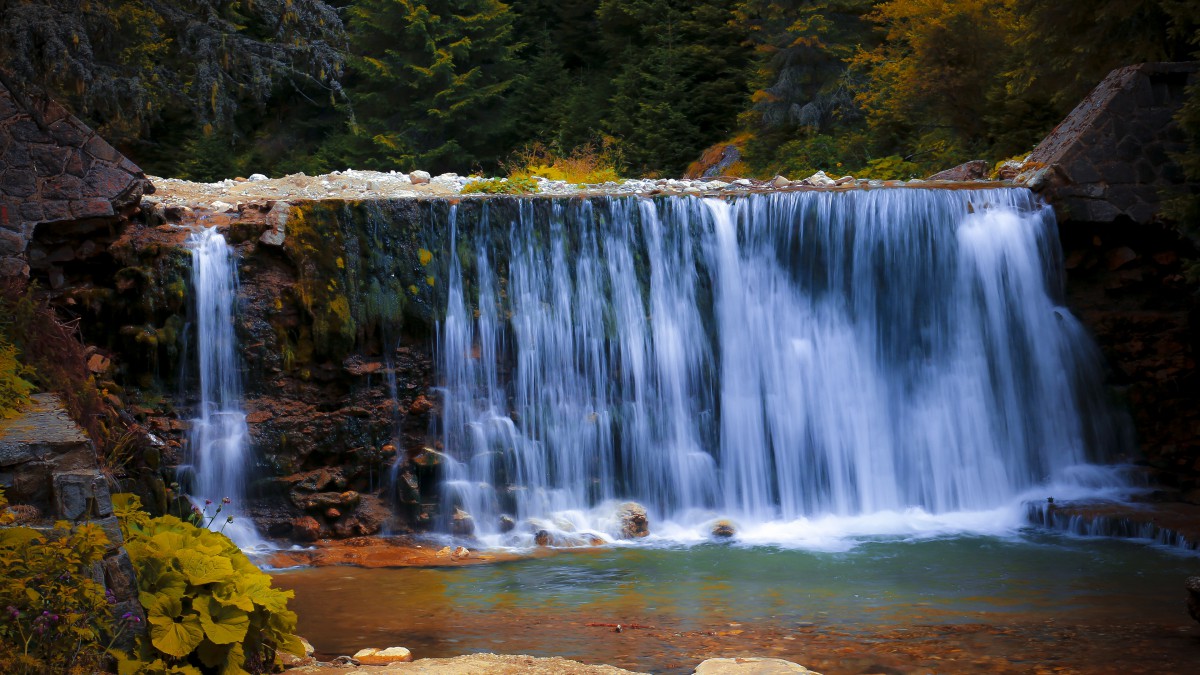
point(361, 271)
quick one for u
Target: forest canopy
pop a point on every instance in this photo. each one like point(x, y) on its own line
point(206, 89)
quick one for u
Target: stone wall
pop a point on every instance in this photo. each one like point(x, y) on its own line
point(49, 472)
point(1111, 158)
point(57, 177)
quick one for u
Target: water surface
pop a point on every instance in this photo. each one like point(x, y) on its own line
point(1039, 603)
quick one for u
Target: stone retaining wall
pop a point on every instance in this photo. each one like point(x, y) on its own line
point(49, 472)
point(56, 173)
point(1112, 157)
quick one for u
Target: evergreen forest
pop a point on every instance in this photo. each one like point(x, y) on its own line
point(207, 89)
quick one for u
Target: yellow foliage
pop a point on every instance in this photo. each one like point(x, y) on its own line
point(584, 164)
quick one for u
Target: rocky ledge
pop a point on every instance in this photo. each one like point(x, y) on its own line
point(1173, 524)
point(229, 195)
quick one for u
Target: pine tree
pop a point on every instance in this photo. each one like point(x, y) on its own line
point(428, 83)
point(681, 82)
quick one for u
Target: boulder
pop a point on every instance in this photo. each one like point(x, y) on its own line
point(382, 657)
point(819, 179)
point(633, 521)
point(976, 169)
point(780, 182)
point(419, 177)
point(751, 665)
point(723, 529)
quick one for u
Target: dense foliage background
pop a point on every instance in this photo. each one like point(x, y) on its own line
point(214, 88)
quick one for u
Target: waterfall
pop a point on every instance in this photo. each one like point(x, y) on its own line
point(774, 359)
point(218, 436)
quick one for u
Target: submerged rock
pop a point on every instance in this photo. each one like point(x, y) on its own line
point(633, 521)
point(507, 524)
point(751, 665)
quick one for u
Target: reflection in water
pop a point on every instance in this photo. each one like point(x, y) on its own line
point(961, 605)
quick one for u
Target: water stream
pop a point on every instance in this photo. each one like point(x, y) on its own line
point(808, 364)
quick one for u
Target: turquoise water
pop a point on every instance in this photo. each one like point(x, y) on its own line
point(977, 604)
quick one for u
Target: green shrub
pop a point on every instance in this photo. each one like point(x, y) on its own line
point(208, 608)
point(14, 388)
point(501, 186)
point(53, 617)
point(892, 167)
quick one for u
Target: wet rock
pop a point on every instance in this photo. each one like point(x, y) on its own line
point(723, 529)
point(752, 665)
point(306, 528)
point(462, 524)
point(1193, 601)
point(420, 406)
point(507, 524)
point(320, 501)
point(543, 538)
point(332, 513)
point(633, 521)
point(419, 177)
point(780, 182)
point(382, 657)
point(461, 552)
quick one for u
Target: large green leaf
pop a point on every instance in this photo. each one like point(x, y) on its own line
point(167, 542)
point(258, 587)
point(177, 638)
point(222, 624)
point(231, 592)
point(161, 608)
point(203, 569)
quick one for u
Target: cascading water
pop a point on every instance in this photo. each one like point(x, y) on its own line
point(219, 437)
point(871, 357)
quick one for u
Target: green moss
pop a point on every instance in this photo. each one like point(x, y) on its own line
point(356, 261)
point(502, 186)
point(14, 387)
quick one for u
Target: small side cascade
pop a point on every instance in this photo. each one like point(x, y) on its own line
point(219, 437)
